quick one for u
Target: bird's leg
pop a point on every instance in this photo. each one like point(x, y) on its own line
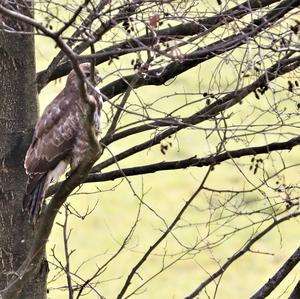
point(70, 172)
point(73, 166)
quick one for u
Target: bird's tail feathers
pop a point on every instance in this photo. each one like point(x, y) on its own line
point(33, 200)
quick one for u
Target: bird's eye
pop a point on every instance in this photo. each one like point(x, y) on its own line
point(87, 74)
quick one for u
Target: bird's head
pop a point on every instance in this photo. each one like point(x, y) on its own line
point(86, 69)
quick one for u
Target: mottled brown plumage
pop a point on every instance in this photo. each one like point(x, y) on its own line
point(60, 139)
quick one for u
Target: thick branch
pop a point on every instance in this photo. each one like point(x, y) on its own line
point(191, 162)
point(274, 281)
point(162, 75)
point(195, 162)
point(178, 32)
point(231, 99)
point(46, 76)
point(240, 253)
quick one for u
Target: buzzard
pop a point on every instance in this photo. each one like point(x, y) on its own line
point(60, 139)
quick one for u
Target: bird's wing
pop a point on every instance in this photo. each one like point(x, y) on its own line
point(51, 146)
point(53, 137)
point(56, 110)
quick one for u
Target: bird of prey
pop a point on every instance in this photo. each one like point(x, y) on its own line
point(60, 139)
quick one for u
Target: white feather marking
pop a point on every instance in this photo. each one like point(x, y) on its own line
point(59, 170)
point(55, 110)
point(97, 120)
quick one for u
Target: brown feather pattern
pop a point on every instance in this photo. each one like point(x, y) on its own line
point(59, 136)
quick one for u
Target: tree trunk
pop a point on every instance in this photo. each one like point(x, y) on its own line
point(18, 114)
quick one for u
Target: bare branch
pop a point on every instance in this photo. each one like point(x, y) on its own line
point(195, 162)
point(162, 75)
point(277, 278)
point(240, 253)
point(162, 237)
point(179, 31)
point(231, 99)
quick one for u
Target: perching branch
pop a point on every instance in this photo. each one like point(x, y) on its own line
point(46, 222)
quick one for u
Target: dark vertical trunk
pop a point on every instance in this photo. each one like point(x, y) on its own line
point(18, 114)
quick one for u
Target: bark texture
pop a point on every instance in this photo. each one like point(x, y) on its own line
point(18, 114)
